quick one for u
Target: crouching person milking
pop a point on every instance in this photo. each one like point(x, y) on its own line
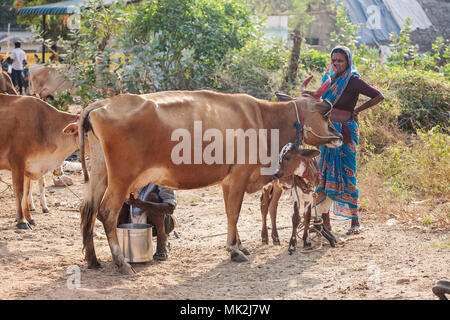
point(154, 205)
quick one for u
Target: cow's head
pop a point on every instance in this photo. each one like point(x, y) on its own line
point(72, 129)
point(293, 160)
point(316, 125)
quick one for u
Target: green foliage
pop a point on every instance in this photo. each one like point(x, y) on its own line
point(90, 50)
point(256, 69)
point(422, 168)
point(403, 52)
point(314, 61)
point(345, 32)
point(188, 38)
point(61, 101)
point(425, 98)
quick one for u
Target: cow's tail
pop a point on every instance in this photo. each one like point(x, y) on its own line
point(83, 129)
point(88, 216)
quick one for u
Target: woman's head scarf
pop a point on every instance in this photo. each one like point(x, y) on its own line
point(339, 84)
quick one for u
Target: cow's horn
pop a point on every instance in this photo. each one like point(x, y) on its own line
point(305, 83)
point(322, 89)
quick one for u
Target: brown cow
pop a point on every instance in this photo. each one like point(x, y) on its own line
point(31, 144)
point(45, 81)
point(134, 140)
point(6, 85)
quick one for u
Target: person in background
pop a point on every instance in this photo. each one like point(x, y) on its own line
point(337, 178)
point(19, 60)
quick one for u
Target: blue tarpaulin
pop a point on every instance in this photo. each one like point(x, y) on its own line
point(65, 7)
point(375, 20)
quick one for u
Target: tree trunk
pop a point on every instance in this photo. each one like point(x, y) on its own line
point(293, 61)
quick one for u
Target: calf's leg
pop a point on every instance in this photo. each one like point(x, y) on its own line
point(273, 213)
point(295, 223)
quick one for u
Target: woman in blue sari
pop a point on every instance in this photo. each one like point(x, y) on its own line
point(337, 180)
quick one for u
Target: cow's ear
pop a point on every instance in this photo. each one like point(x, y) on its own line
point(71, 129)
point(309, 153)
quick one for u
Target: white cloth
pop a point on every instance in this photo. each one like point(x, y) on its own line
point(18, 55)
point(402, 9)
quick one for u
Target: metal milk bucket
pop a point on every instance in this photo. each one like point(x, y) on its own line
point(135, 240)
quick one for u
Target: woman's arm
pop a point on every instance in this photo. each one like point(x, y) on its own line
point(368, 104)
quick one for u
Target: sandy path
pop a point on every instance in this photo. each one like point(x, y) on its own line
point(383, 262)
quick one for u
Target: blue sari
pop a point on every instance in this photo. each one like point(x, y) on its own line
point(337, 179)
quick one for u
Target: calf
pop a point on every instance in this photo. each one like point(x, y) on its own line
point(34, 139)
point(302, 185)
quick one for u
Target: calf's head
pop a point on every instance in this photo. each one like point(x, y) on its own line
point(293, 160)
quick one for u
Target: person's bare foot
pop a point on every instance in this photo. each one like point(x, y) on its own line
point(355, 227)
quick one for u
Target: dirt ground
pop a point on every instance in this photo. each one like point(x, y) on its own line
point(384, 261)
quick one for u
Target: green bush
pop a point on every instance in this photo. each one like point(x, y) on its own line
point(314, 61)
point(256, 69)
point(421, 168)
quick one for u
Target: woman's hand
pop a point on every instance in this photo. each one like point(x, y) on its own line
point(355, 115)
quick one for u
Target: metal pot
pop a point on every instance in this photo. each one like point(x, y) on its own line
point(135, 241)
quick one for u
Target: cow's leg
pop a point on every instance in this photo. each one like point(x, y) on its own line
point(295, 223)
point(307, 219)
point(108, 215)
point(18, 184)
point(265, 201)
point(25, 199)
point(273, 206)
point(42, 195)
point(31, 206)
point(233, 194)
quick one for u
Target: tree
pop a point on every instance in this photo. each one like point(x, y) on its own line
point(346, 32)
point(191, 37)
point(299, 19)
point(8, 15)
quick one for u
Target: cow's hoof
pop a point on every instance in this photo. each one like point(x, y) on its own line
point(238, 256)
point(441, 288)
point(276, 242)
point(45, 210)
point(160, 256)
point(23, 226)
point(94, 265)
point(265, 241)
point(244, 251)
point(291, 250)
point(126, 269)
point(307, 245)
point(32, 222)
point(32, 209)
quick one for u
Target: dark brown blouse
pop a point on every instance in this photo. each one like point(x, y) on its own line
point(349, 97)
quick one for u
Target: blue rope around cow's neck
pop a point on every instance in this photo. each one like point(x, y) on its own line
point(298, 125)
